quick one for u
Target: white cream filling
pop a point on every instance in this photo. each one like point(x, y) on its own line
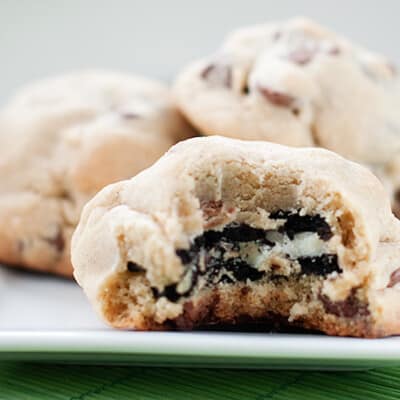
point(304, 244)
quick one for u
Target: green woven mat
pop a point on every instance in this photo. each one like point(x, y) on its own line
point(37, 381)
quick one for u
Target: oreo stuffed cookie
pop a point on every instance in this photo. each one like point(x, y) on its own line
point(220, 230)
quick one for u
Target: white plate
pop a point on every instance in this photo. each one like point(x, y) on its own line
point(48, 319)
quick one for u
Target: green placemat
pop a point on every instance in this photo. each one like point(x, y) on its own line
point(38, 381)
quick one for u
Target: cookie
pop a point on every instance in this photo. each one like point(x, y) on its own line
point(221, 230)
point(63, 139)
point(299, 84)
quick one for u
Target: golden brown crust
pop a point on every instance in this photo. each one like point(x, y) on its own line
point(236, 306)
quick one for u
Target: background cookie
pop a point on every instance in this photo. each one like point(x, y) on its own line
point(63, 139)
point(299, 84)
point(222, 230)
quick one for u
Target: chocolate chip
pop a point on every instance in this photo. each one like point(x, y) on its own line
point(334, 51)
point(245, 290)
point(302, 55)
point(66, 195)
point(306, 52)
point(133, 267)
point(130, 115)
point(218, 74)
point(397, 195)
point(207, 70)
point(295, 111)
point(348, 308)
point(277, 98)
point(276, 35)
point(296, 223)
point(319, 265)
point(396, 204)
point(396, 210)
point(57, 241)
point(394, 278)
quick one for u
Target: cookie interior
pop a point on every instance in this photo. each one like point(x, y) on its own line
point(277, 263)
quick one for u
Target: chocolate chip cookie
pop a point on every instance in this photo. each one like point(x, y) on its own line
point(299, 84)
point(221, 230)
point(63, 139)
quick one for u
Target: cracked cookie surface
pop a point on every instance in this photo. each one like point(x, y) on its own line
point(297, 83)
point(61, 140)
point(220, 230)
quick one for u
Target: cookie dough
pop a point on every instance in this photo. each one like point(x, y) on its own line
point(299, 84)
point(63, 139)
point(220, 230)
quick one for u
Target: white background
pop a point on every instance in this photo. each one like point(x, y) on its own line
point(155, 38)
